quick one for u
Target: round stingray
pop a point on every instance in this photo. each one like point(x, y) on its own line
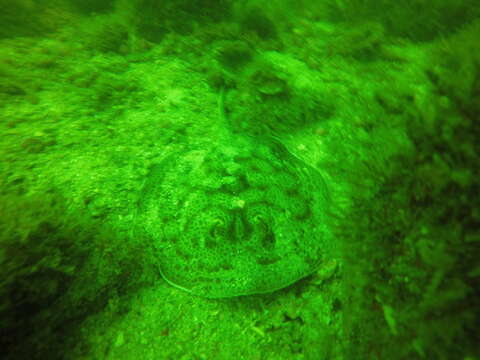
point(242, 218)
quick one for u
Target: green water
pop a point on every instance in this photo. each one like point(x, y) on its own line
point(221, 179)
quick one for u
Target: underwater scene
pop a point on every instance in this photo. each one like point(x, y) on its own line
point(240, 179)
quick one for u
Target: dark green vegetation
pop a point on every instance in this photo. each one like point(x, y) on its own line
point(424, 223)
point(157, 18)
point(382, 99)
point(416, 20)
point(57, 269)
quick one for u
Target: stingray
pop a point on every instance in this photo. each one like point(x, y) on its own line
point(237, 216)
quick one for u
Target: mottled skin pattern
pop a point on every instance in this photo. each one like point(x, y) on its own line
point(235, 218)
